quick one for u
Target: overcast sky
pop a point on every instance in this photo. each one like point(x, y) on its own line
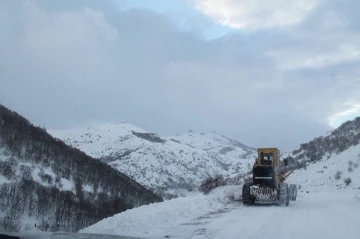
point(268, 73)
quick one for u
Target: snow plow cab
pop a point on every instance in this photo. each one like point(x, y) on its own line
point(267, 185)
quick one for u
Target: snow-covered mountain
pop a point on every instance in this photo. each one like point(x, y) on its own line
point(107, 141)
point(166, 165)
point(216, 143)
point(43, 180)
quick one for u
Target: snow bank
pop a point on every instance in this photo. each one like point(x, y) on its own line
point(156, 219)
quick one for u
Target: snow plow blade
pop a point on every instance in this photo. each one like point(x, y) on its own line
point(263, 194)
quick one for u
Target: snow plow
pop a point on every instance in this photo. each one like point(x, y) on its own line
point(268, 181)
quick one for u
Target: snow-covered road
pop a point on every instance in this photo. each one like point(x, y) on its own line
point(320, 215)
point(312, 216)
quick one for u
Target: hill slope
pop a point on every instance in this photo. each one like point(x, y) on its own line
point(335, 142)
point(325, 162)
point(43, 179)
point(331, 174)
point(216, 143)
point(165, 165)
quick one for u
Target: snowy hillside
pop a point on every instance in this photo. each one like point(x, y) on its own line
point(166, 165)
point(43, 180)
point(335, 142)
point(216, 143)
point(325, 162)
point(331, 172)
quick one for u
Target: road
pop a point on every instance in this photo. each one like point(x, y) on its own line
point(312, 216)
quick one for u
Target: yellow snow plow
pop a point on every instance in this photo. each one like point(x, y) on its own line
point(268, 181)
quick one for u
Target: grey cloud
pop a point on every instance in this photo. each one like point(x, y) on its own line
point(344, 11)
point(65, 64)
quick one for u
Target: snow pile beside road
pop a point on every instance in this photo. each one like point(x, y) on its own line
point(154, 220)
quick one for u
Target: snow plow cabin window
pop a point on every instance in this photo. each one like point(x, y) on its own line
point(267, 158)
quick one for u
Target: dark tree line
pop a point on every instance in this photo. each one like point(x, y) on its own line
point(26, 144)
